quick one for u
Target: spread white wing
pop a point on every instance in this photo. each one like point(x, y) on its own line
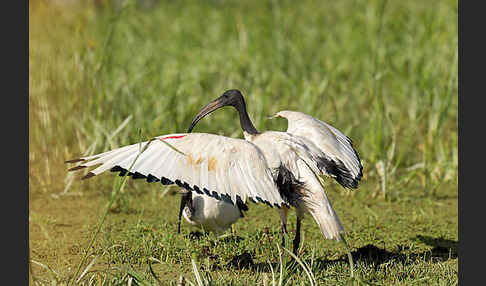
point(340, 159)
point(222, 167)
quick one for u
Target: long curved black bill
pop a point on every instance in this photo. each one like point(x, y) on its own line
point(210, 107)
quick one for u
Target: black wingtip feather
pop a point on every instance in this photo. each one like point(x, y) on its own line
point(89, 175)
point(187, 187)
point(206, 191)
point(117, 169)
point(339, 172)
point(179, 183)
point(77, 168)
point(165, 181)
point(198, 190)
point(138, 175)
point(74, 160)
point(151, 178)
point(226, 198)
point(214, 194)
point(268, 204)
point(240, 204)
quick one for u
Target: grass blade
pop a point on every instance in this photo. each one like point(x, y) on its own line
point(196, 272)
point(105, 213)
point(307, 271)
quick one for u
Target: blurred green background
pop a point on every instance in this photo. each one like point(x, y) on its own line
point(383, 72)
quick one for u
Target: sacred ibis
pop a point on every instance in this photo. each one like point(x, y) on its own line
point(280, 169)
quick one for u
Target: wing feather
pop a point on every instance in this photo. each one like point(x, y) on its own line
point(119, 153)
point(336, 156)
point(237, 181)
point(196, 161)
point(245, 180)
point(125, 157)
point(203, 175)
point(146, 160)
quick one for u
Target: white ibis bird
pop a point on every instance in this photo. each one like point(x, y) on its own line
point(280, 169)
point(208, 213)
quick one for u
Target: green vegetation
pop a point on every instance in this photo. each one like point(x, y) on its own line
point(383, 72)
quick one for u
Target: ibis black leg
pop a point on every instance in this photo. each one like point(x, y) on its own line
point(186, 197)
point(297, 236)
point(284, 233)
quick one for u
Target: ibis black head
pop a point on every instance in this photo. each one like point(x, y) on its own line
point(232, 97)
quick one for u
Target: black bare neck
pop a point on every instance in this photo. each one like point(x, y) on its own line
point(245, 121)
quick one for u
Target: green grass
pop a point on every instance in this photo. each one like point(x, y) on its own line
point(383, 72)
